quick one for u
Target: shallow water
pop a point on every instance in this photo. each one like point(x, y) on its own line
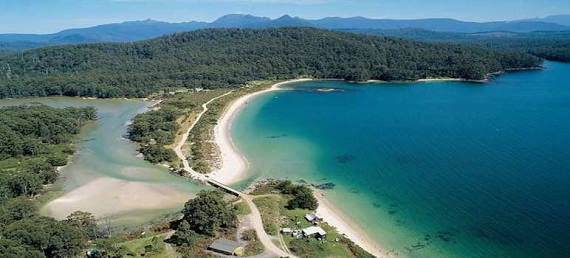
point(429, 169)
point(103, 156)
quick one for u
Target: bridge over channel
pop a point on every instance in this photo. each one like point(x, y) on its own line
point(224, 187)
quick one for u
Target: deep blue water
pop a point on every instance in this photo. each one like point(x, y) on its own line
point(429, 169)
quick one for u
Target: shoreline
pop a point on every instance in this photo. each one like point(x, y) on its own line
point(235, 166)
point(344, 225)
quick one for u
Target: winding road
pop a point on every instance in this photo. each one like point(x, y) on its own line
point(178, 147)
point(271, 249)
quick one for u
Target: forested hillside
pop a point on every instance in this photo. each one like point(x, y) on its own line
point(545, 44)
point(230, 57)
point(551, 49)
point(33, 141)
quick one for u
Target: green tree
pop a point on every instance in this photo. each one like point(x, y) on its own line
point(303, 199)
point(84, 221)
point(53, 238)
point(16, 209)
point(184, 235)
point(14, 249)
point(208, 213)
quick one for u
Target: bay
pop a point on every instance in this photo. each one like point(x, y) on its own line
point(434, 169)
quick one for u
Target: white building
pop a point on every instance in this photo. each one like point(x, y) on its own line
point(314, 218)
point(314, 230)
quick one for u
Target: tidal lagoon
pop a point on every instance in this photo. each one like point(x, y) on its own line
point(105, 176)
point(428, 169)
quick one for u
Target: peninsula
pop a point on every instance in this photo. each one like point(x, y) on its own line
point(203, 79)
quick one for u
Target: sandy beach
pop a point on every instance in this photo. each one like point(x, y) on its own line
point(235, 165)
point(450, 80)
point(345, 225)
point(108, 196)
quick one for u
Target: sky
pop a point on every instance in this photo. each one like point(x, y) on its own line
point(49, 16)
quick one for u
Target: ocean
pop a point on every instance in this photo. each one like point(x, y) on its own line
point(434, 169)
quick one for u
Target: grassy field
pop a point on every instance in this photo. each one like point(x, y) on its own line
point(147, 244)
point(152, 246)
point(242, 208)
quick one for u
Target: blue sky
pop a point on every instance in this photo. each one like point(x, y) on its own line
point(47, 16)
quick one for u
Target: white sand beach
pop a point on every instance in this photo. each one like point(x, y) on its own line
point(345, 225)
point(234, 164)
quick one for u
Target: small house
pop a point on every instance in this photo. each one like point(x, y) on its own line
point(313, 218)
point(311, 231)
point(225, 246)
point(287, 231)
point(310, 217)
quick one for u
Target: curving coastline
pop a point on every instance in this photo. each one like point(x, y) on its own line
point(234, 164)
point(234, 168)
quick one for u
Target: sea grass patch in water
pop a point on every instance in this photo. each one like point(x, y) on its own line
point(354, 191)
point(276, 136)
point(344, 158)
point(325, 186)
point(491, 234)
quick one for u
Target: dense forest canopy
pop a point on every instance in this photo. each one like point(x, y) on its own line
point(551, 49)
point(33, 141)
point(230, 57)
point(551, 45)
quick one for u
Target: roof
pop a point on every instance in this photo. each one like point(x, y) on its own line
point(286, 230)
point(314, 230)
point(225, 245)
point(310, 216)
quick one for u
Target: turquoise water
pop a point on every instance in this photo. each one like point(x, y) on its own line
point(438, 169)
point(103, 152)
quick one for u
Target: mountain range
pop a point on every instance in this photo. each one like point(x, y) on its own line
point(146, 29)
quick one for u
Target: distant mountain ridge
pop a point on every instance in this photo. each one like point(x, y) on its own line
point(558, 19)
point(146, 29)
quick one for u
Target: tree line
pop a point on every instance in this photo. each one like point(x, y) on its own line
point(231, 57)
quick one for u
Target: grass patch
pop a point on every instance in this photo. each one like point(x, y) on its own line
point(242, 208)
point(133, 245)
point(152, 246)
point(254, 247)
